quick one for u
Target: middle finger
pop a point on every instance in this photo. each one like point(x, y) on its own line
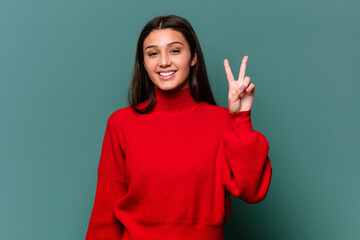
point(243, 68)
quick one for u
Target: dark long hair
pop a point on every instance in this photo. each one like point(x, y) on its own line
point(142, 88)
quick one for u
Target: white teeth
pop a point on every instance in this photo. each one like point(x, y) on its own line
point(166, 73)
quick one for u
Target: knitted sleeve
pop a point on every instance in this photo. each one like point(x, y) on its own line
point(246, 169)
point(110, 186)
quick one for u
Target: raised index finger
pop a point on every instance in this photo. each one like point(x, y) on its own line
point(243, 67)
point(229, 75)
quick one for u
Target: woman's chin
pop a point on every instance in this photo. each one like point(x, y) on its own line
point(171, 87)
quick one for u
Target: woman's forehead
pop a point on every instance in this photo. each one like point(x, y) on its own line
point(164, 37)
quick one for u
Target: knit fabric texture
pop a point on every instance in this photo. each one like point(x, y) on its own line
point(168, 174)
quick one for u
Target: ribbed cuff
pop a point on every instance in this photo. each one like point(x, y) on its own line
point(241, 121)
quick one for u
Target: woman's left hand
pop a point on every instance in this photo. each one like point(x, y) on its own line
point(241, 92)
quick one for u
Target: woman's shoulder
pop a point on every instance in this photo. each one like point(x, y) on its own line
point(121, 112)
point(215, 111)
point(215, 108)
point(121, 115)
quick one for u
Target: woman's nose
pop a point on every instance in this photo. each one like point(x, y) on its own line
point(164, 60)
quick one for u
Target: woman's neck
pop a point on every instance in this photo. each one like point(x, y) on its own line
point(173, 101)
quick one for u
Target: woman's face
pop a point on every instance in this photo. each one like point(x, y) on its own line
point(167, 59)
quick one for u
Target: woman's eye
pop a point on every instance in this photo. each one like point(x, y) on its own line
point(175, 51)
point(152, 54)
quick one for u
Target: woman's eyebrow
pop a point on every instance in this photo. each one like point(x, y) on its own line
point(172, 43)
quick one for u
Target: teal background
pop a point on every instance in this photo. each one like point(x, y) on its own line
point(65, 67)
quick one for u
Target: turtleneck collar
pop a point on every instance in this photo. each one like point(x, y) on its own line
point(174, 101)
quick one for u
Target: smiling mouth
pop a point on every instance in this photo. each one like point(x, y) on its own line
point(166, 74)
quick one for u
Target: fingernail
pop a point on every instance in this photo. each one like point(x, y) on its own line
point(248, 89)
point(241, 88)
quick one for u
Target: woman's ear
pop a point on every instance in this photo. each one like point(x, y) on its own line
point(194, 60)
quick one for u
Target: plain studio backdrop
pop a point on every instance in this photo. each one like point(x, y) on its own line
point(65, 66)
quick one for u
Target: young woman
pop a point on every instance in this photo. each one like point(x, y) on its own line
point(170, 160)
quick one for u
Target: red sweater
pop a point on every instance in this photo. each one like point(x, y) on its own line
point(168, 174)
